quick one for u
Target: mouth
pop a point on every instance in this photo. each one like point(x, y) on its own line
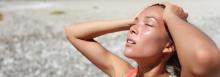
point(131, 41)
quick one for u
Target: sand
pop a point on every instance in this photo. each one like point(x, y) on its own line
point(32, 41)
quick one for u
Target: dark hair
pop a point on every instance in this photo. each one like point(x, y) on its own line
point(173, 65)
point(160, 5)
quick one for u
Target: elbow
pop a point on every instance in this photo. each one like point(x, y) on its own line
point(204, 58)
point(72, 32)
point(208, 57)
point(206, 61)
point(67, 31)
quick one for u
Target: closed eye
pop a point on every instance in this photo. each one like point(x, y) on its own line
point(149, 25)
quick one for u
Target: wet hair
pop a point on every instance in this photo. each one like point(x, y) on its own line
point(172, 65)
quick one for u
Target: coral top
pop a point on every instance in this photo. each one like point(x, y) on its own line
point(131, 73)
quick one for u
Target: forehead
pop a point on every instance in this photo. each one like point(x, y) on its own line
point(152, 11)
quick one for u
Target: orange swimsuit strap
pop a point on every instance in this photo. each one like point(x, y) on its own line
point(131, 73)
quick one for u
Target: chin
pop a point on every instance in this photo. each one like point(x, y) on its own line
point(129, 53)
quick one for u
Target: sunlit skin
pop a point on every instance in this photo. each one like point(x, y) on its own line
point(148, 33)
point(149, 45)
point(147, 41)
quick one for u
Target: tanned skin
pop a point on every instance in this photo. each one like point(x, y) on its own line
point(197, 53)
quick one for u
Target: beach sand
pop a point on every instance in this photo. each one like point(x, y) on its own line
point(33, 44)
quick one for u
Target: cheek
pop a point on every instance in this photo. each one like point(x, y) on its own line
point(150, 43)
point(148, 47)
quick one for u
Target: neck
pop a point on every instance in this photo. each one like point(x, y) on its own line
point(153, 68)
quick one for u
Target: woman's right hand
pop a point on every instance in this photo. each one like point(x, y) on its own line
point(130, 22)
point(81, 36)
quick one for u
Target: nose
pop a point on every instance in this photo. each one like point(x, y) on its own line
point(133, 29)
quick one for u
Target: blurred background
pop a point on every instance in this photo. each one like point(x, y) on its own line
point(33, 44)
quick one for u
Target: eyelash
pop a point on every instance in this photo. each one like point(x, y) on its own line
point(149, 25)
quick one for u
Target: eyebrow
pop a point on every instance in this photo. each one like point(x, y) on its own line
point(149, 17)
point(153, 18)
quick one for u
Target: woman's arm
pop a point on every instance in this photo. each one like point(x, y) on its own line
point(82, 38)
point(198, 54)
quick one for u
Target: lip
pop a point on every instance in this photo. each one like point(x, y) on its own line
point(130, 41)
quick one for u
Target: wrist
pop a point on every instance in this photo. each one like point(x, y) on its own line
point(126, 23)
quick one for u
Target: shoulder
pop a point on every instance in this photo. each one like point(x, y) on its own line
point(131, 73)
point(120, 67)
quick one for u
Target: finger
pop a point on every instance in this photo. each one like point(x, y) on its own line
point(186, 15)
point(182, 14)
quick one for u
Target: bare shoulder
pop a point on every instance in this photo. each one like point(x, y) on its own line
point(120, 66)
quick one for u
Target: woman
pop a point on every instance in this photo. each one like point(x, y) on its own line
point(155, 38)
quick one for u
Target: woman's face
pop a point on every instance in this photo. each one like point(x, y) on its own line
point(148, 36)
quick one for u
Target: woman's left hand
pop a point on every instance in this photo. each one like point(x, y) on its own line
point(172, 9)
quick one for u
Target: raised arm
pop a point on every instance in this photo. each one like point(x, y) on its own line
point(82, 38)
point(198, 54)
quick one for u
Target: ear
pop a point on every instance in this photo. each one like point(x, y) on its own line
point(169, 47)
